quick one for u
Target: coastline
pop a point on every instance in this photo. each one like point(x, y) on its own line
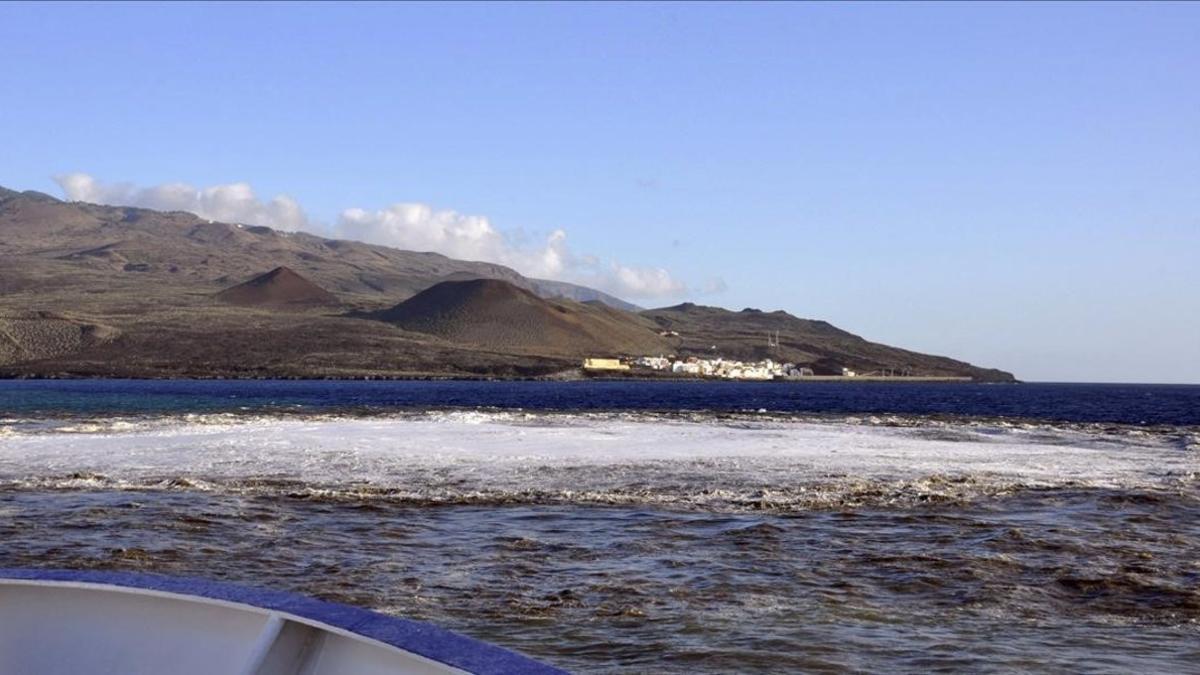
point(577, 375)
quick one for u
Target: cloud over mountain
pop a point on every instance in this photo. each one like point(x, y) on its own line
point(232, 203)
point(419, 227)
point(413, 226)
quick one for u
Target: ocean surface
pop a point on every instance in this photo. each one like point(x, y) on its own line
point(675, 527)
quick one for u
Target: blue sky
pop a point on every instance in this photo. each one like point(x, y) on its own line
point(1017, 185)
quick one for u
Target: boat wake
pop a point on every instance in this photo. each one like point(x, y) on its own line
point(731, 463)
point(675, 543)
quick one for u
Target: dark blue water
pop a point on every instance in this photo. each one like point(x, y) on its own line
point(1136, 404)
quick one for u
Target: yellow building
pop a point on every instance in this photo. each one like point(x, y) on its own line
point(604, 364)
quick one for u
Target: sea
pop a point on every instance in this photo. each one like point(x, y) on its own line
point(649, 527)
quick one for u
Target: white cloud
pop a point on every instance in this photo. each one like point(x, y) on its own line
point(232, 203)
point(412, 226)
point(647, 281)
point(419, 227)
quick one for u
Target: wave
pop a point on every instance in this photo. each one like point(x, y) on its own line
point(931, 424)
point(736, 462)
point(900, 494)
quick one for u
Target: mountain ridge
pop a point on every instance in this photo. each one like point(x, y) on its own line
point(153, 281)
point(159, 239)
point(752, 334)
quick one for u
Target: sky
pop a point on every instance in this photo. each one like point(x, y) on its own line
point(1016, 185)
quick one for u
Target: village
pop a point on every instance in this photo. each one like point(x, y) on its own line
point(755, 371)
point(719, 368)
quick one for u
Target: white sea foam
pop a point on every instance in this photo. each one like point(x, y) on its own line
point(511, 456)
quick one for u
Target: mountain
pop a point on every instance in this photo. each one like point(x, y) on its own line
point(556, 289)
point(752, 334)
point(90, 290)
point(498, 315)
point(74, 241)
point(561, 289)
point(279, 288)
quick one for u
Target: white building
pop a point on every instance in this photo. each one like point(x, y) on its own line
point(654, 362)
point(686, 367)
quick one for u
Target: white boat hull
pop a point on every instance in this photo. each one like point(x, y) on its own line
point(58, 622)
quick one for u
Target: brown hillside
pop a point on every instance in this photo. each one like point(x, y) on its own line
point(753, 334)
point(29, 336)
point(127, 292)
point(281, 287)
point(500, 316)
point(126, 249)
